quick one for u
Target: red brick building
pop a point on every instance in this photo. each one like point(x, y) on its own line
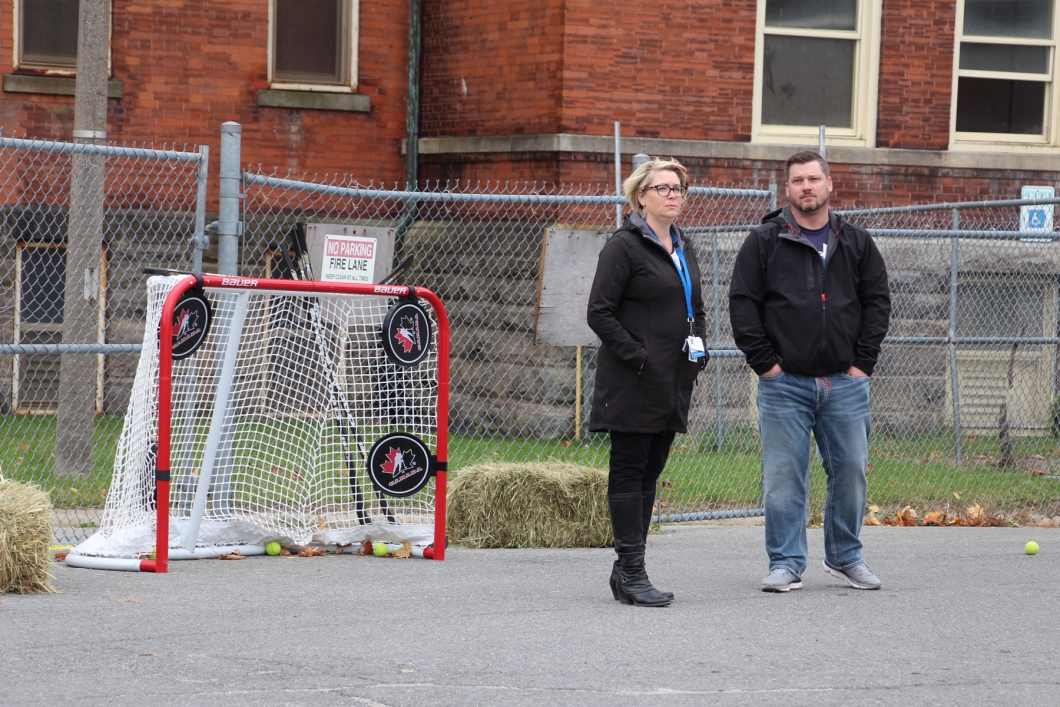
point(923, 100)
point(179, 68)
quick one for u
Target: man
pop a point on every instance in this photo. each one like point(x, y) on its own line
point(809, 305)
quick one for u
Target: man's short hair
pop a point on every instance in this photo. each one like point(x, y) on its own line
point(642, 176)
point(805, 157)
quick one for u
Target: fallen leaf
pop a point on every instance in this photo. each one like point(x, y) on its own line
point(404, 552)
point(365, 548)
point(868, 470)
point(103, 493)
point(284, 552)
point(870, 515)
point(907, 516)
point(974, 514)
point(131, 601)
point(234, 555)
point(312, 552)
point(957, 495)
point(146, 655)
point(565, 443)
point(73, 490)
point(322, 523)
point(935, 518)
point(24, 446)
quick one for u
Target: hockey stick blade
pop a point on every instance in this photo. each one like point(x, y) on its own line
point(399, 271)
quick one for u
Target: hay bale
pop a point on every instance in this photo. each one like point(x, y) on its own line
point(529, 505)
point(25, 532)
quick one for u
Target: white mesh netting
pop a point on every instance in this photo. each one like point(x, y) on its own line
point(310, 392)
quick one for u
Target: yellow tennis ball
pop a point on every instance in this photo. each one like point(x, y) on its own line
point(379, 549)
point(272, 548)
point(1031, 548)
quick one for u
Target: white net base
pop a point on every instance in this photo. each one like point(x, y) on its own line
point(272, 419)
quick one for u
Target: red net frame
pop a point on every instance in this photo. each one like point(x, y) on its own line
point(308, 287)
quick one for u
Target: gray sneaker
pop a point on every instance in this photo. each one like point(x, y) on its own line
point(858, 576)
point(781, 580)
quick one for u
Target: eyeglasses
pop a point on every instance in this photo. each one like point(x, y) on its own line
point(665, 190)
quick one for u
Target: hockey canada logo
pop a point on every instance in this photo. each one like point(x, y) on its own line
point(191, 323)
point(406, 334)
point(399, 464)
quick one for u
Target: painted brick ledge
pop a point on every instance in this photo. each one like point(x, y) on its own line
point(51, 85)
point(315, 100)
point(566, 142)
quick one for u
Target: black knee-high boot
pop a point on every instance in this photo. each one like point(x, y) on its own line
point(627, 520)
point(647, 511)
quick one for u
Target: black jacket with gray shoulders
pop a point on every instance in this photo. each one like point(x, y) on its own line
point(787, 307)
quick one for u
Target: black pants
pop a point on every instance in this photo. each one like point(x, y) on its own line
point(637, 460)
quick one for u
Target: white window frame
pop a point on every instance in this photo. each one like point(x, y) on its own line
point(862, 133)
point(353, 11)
point(94, 287)
point(16, 43)
point(1048, 141)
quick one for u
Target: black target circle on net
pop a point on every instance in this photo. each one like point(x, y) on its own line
point(399, 464)
point(191, 323)
point(406, 334)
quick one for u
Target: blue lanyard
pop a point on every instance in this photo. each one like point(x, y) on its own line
point(686, 281)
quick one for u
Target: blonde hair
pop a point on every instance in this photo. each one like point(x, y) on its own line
point(641, 178)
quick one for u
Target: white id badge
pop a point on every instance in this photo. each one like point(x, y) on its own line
point(694, 347)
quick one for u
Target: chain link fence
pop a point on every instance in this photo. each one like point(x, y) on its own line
point(79, 224)
point(964, 398)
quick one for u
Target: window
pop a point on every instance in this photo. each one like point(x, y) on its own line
point(989, 376)
point(47, 34)
point(313, 44)
point(816, 63)
point(1004, 69)
point(40, 290)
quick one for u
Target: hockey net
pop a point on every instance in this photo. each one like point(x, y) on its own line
point(277, 410)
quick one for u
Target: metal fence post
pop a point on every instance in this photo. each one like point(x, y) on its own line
point(772, 196)
point(954, 266)
point(200, 240)
point(618, 172)
point(229, 225)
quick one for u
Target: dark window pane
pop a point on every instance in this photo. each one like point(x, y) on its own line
point(307, 41)
point(1006, 309)
point(49, 32)
point(1000, 106)
point(812, 14)
point(807, 81)
point(1005, 57)
point(1009, 18)
point(42, 285)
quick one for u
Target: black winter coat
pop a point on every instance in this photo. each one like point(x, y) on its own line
point(787, 308)
point(637, 307)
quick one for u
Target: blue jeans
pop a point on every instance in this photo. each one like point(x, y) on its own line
point(836, 409)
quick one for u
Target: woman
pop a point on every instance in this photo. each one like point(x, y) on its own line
point(647, 309)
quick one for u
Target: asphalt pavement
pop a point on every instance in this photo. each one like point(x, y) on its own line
point(964, 618)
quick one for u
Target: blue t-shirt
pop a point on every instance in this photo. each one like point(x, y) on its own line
point(819, 238)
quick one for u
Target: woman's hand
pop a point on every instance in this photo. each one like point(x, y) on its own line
point(776, 370)
point(856, 372)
